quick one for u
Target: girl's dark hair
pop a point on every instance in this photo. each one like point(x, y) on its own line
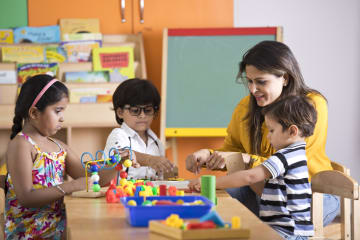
point(275, 58)
point(29, 91)
point(293, 110)
point(135, 92)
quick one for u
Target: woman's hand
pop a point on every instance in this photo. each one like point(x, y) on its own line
point(196, 160)
point(195, 185)
point(216, 161)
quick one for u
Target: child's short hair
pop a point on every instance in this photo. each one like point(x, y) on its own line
point(293, 110)
point(135, 92)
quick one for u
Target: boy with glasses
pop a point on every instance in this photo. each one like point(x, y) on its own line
point(136, 102)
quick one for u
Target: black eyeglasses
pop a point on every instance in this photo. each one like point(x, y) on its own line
point(136, 110)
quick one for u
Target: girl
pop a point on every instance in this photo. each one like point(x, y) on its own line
point(136, 102)
point(271, 73)
point(36, 163)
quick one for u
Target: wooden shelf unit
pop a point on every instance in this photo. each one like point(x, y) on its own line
point(86, 125)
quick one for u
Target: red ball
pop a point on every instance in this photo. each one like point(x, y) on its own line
point(172, 191)
point(118, 167)
point(123, 174)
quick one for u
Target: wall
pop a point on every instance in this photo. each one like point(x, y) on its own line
point(325, 37)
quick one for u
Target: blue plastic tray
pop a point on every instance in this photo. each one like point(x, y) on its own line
point(139, 216)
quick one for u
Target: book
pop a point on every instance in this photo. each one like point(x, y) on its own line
point(101, 98)
point(27, 70)
point(55, 53)
point(77, 25)
point(47, 34)
point(80, 51)
point(99, 76)
point(7, 76)
point(81, 36)
point(23, 54)
point(118, 60)
point(87, 95)
point(6, 36)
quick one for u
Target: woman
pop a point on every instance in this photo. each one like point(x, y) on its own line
point(271, 73)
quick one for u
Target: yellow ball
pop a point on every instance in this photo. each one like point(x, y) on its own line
point(131, 203)
point(127, 163)
point(123, 182)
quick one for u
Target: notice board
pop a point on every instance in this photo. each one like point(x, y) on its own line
point(199, 68)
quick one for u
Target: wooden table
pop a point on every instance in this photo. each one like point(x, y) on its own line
point(95, 219)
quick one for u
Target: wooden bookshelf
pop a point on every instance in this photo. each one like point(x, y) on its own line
point(86, 125)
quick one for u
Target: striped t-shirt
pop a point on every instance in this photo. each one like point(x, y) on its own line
point(286, 199)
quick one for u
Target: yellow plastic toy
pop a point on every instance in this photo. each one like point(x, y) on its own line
point(174, 221)
point(235, 222)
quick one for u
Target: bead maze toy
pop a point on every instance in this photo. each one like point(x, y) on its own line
point(208, 226)
point(101, 162)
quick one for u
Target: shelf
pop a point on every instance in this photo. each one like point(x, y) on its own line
point(80, 115)
point(86, 125)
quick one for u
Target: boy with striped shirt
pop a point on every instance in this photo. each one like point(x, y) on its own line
point(286, 198)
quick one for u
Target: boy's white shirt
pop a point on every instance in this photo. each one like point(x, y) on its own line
point(119, 138)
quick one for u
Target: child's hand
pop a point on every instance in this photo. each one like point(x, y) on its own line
point(160, 164)
point(135, 164)
point(80, 184)
point(125, 154)
point(195, 185)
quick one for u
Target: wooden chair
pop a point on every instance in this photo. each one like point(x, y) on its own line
point(2, 205)
point(337, 182)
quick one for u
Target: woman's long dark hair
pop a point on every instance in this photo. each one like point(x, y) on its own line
point(275, 58)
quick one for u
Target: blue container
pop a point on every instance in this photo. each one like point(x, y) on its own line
point(139, 216)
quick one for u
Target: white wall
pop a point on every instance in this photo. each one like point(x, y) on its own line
point(325, 38)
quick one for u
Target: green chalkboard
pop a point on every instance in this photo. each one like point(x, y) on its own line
point(201, 68)
point(13, 13)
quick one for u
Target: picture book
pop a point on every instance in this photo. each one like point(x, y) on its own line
point(55, 53)
point(87, 95)
point(81, 36)
point(101, 98)
point(7, 76)
point(87, 25)
point(47, 34)
point(23, 54)
point(6, 36)
point(118, 60)
point(79, 51)
point(30, 69)
point(99, 76)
